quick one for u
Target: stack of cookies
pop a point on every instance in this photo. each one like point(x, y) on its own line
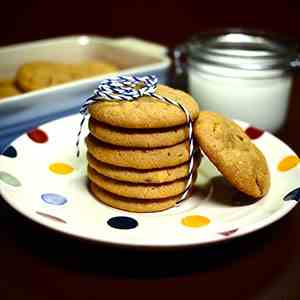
point(138, 152)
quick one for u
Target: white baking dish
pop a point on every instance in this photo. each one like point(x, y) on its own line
point(25, 111)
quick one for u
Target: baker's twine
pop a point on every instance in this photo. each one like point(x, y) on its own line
point(131, 88)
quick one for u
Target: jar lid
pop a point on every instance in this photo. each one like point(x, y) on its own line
point(244, 50)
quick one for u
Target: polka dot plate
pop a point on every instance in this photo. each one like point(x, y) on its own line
point(41, 177)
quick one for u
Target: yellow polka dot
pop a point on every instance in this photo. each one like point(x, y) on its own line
point(288, 163)
point(195, 221)
point(61, 168)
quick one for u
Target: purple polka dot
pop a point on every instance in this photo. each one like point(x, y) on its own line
point(122, 222)
point(54, 199)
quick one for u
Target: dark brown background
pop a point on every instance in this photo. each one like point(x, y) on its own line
point(165, 21)
point(39, 264)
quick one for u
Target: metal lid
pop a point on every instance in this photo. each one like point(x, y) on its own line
point(244, 50)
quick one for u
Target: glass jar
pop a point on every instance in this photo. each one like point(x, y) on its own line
point(243, 75)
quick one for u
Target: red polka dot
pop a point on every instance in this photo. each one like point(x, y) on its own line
point(254, 133)
point(38, 136)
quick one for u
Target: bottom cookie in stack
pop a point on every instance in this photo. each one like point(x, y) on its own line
point(132, 204)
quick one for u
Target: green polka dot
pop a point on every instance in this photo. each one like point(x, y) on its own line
point(9, 179)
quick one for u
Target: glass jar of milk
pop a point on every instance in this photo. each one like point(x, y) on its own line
point(242, 75)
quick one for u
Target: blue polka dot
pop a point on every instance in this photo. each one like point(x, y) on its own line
point(293, 195)
point(54, 199)
point(122, 223)
point(10, 152)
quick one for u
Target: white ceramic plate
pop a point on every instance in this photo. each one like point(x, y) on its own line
point(32, 182)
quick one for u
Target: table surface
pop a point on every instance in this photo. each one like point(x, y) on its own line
point(36, 263)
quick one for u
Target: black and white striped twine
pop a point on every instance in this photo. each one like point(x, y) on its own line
point(130, 88)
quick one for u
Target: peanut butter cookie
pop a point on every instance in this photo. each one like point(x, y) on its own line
point(146, 112)
point(41, 74)
point(137, 190)
point(138, 158)
point(139, 176)
point(8, 89)
point(38, 75)
point(233, 153)
point(131, 204)
point(139, 138)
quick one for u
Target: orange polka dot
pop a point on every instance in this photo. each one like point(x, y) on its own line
point(61, 168)
point(288, 163)
point(195, 221)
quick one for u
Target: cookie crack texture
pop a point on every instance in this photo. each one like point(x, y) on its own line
point(240, 137)
point(259, 186)
point(215, 127)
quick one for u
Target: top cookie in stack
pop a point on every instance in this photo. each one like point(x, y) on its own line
point(138, 151)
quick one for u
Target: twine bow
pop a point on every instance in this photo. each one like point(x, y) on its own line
point(130, 88)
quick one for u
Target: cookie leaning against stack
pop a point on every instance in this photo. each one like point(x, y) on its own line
point(230, 149)
point(138, 151)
